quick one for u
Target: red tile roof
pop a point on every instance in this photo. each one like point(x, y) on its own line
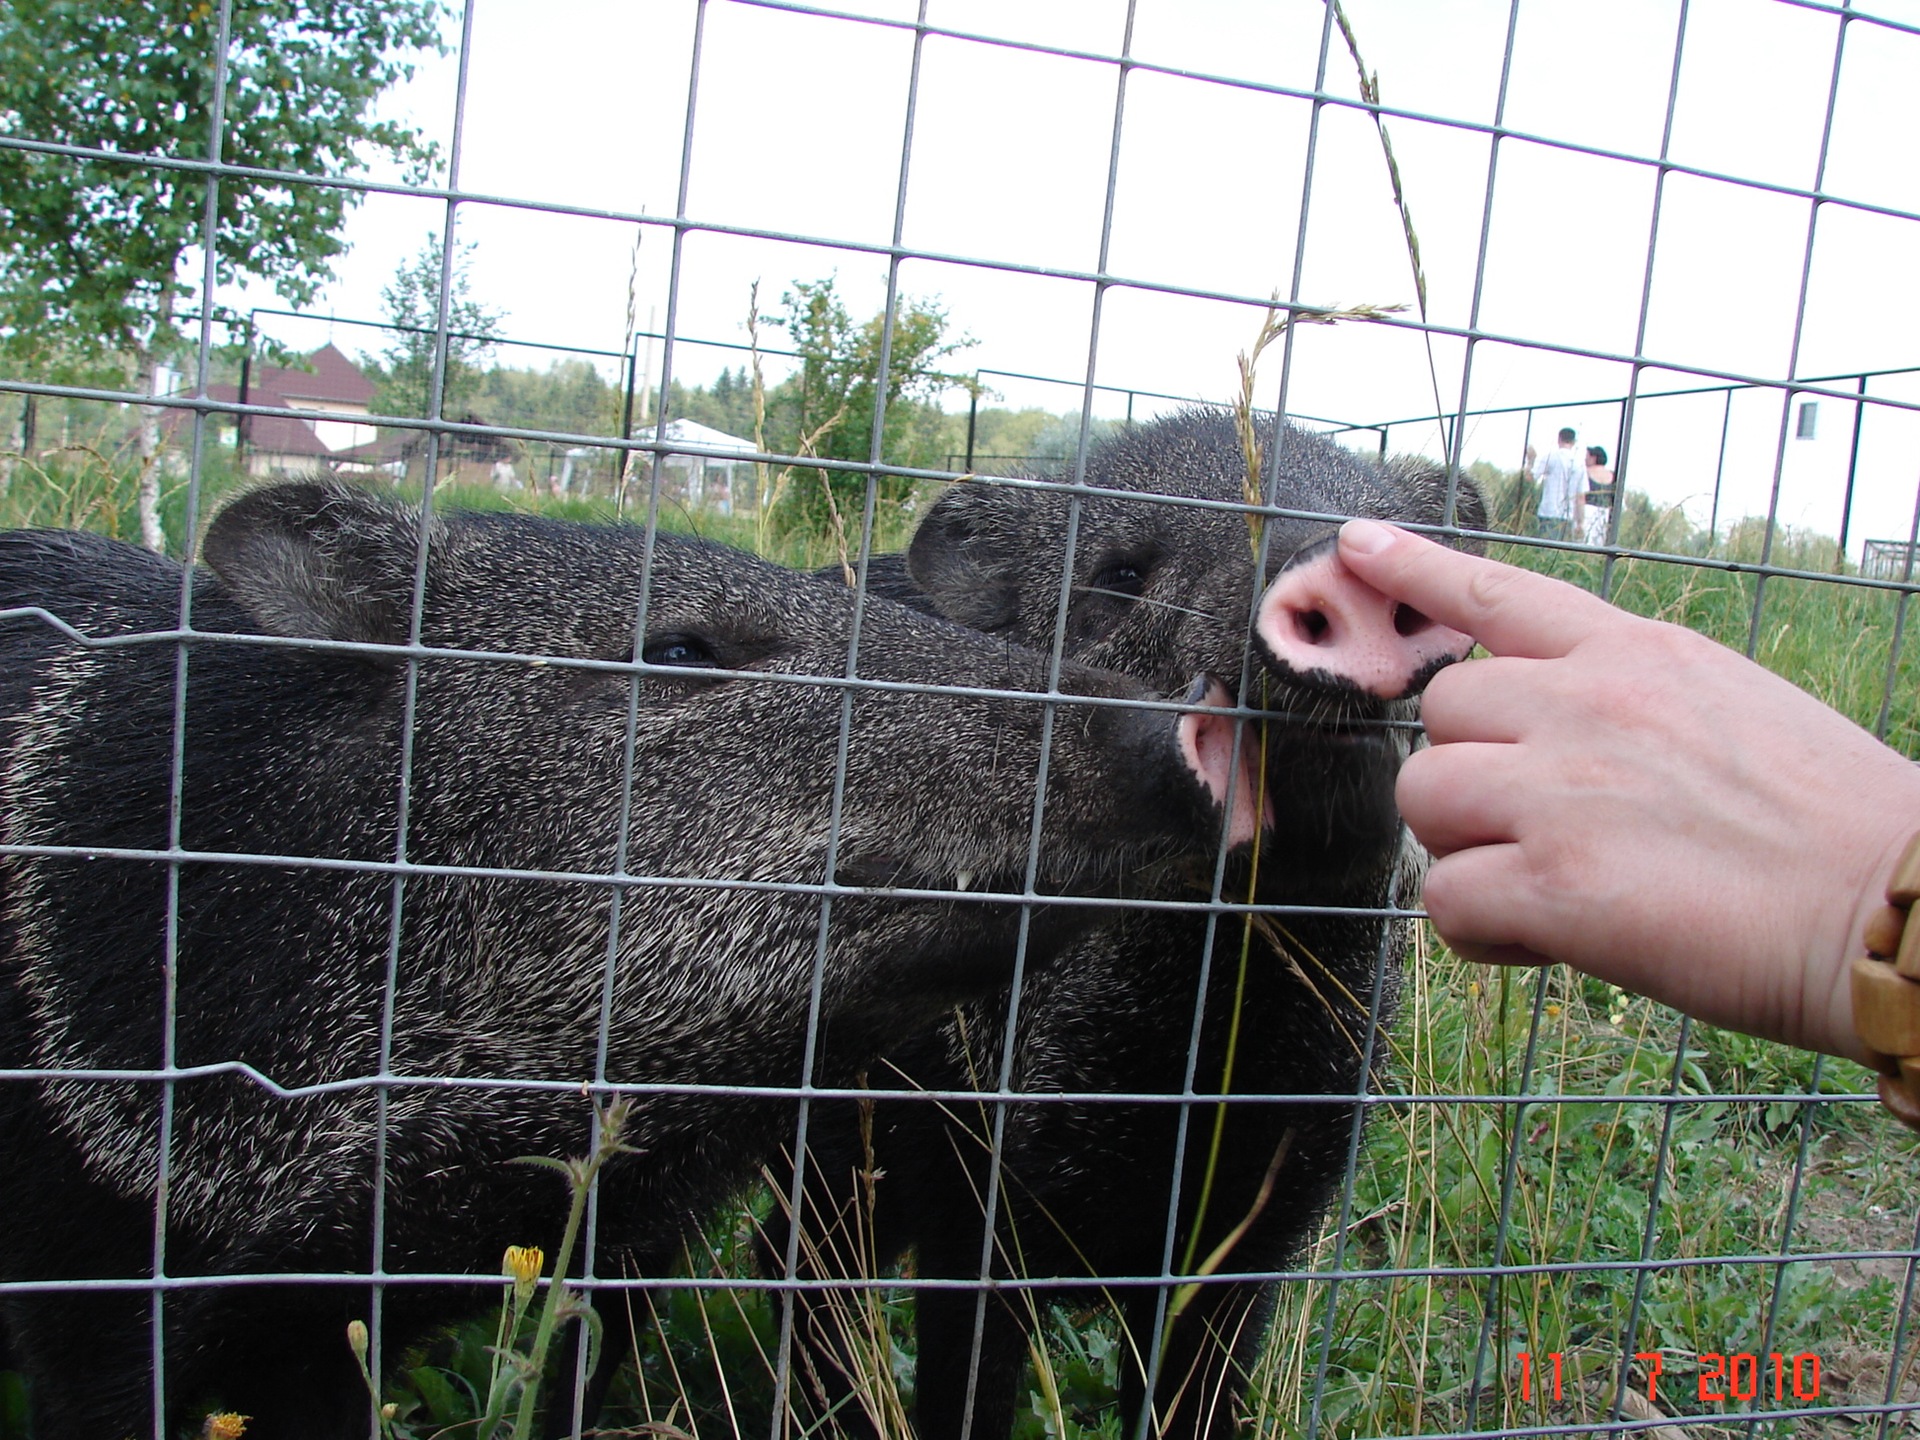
point(333, 377)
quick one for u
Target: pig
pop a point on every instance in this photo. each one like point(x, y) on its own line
point(1158, 590)
point(612, 708)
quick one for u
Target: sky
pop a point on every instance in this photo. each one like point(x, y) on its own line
point(798, 128)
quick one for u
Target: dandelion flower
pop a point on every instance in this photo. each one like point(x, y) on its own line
point(523, 1263)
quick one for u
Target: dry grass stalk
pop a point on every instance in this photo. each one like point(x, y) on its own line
point(626, 343)
point(760, 498)
point(1183, 1297)
point(1370, 92)
point(1275, 323)
point(839, 525)
point(842, 1244)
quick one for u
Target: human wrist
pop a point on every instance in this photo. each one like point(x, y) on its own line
point(1867, 848)
point(1884, 986)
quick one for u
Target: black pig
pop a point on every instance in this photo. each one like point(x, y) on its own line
point(1159, 591)
point(474, 968)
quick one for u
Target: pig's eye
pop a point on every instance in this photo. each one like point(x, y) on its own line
point(1122, 577)
point(679, 650)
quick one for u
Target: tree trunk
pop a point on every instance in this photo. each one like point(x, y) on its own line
point(147, 359)
point(147, 419)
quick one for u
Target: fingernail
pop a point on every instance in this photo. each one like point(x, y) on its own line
point(1365, 537)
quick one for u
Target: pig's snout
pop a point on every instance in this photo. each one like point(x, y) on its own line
point(1320, 622)
point(1206, 744)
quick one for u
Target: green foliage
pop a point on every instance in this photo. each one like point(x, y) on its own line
point(1512, 497)
point(828, 408)
point(569, 395)
point(13, 1407)
point(1075, 1396)
point(403, 374)
point(90, 245)
point(1404, 1348)
point(1010, 442)
point(726, 406)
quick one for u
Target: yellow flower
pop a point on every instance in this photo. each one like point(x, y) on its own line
point(357, 1339)
point(226, 1425)
point(523, 1263)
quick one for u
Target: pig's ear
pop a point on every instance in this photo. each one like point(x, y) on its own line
point(1472, 508)
point(1426, 483)
point(966, 555)
point(320, 561)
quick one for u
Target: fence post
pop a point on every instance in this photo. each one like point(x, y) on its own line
point(240, 421)
point(973, 417)
point(626, 426)
point(1719, 469)
point(1853, 461)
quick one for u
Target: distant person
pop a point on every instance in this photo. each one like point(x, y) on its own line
point(1561, 513)
point(1600, 493)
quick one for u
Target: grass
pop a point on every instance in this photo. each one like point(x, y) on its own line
point(1428, 1346)
point(89, 487)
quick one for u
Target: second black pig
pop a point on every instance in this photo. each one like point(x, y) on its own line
point(1154, 1003)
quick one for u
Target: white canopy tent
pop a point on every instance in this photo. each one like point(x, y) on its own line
point(705, 478)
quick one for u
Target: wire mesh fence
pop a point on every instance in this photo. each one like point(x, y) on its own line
point(1002, 965)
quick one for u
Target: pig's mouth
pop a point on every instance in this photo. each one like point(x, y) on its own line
point(1336, 714)
point(1225, 757)
point(891, 872)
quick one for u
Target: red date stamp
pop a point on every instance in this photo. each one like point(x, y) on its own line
point(1741, 1375)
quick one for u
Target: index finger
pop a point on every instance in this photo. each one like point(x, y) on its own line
point(1508, 610)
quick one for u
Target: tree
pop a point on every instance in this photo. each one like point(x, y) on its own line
point(831, 401)
point(92, 245)
point(413, 307)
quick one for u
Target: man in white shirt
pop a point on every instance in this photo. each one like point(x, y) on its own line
point(1562, 473)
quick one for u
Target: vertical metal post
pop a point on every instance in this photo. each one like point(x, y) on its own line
point(1523, 523)
point(1617, 507)
point(646, 384)
point(246, 380)
point(29, 423)
point(973, 418)
point(632, 358)
point(1719, 469)
point(1853, 462)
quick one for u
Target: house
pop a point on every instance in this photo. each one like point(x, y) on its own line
point(341, 440)
point(282, 445)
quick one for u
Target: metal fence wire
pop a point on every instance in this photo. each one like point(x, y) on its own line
point(646, 827)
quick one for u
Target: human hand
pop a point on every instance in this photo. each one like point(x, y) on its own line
point(1640, 802)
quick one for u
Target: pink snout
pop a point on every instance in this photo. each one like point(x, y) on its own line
point(1206, 743)
point(1320, 622)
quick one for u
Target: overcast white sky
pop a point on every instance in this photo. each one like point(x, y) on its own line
point(799, 126)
